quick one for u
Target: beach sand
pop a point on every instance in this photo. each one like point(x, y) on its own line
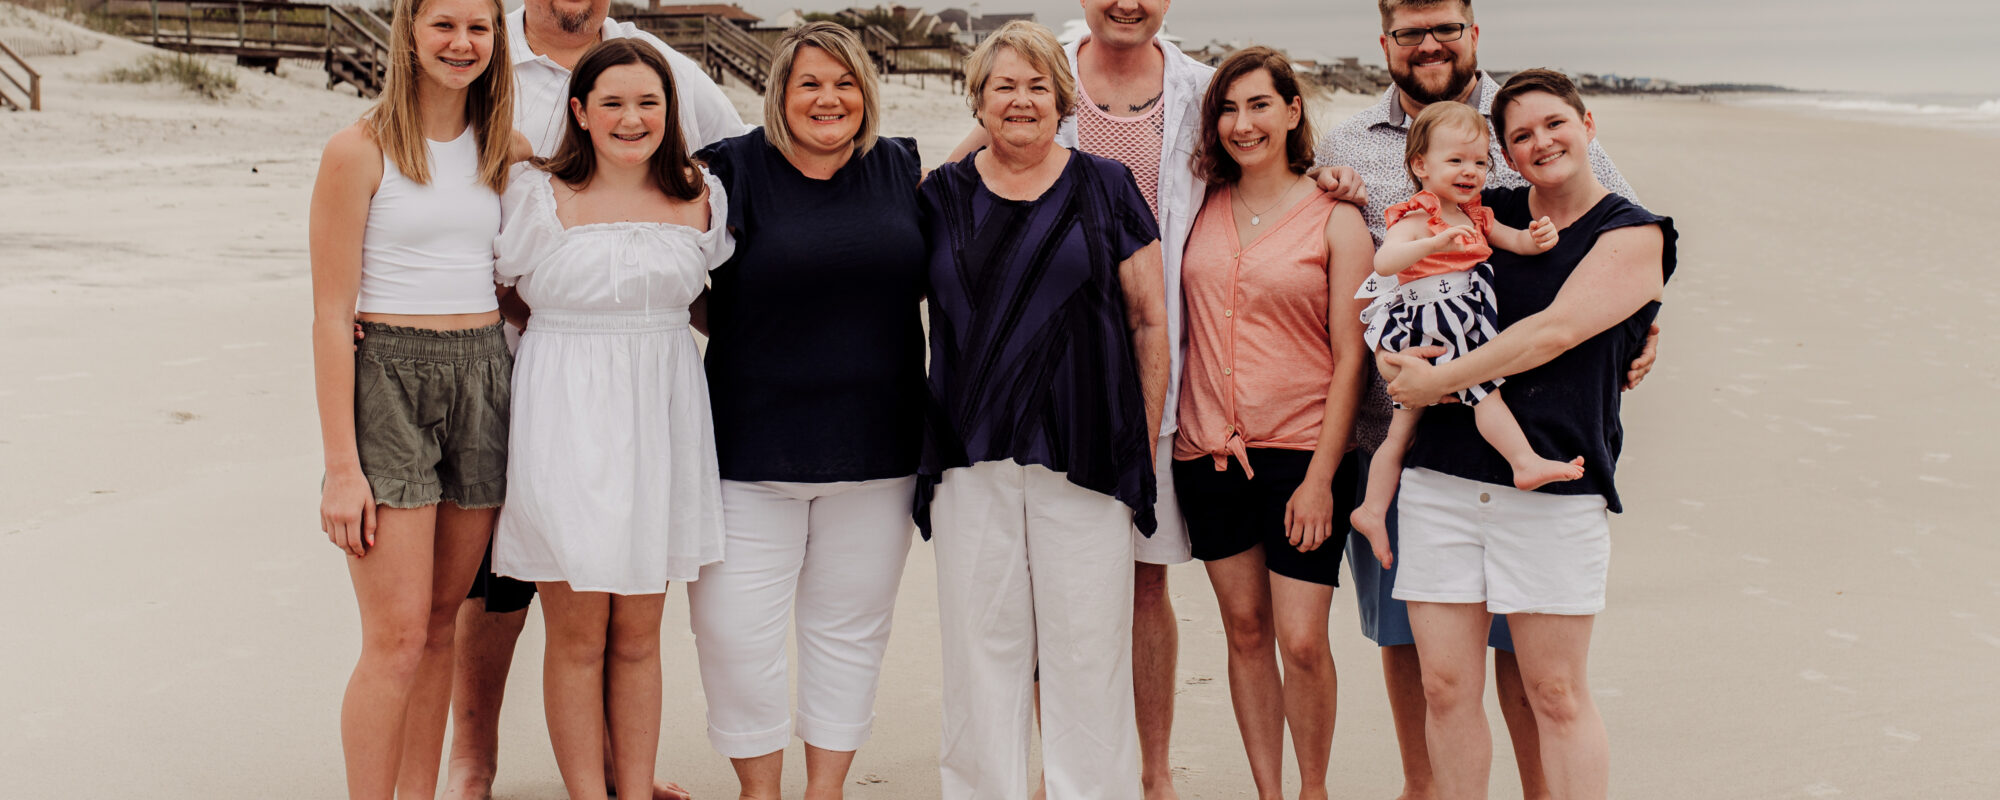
point(1802, 604)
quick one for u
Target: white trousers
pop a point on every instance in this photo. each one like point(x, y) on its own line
point(1032, 569)
point(828, 554)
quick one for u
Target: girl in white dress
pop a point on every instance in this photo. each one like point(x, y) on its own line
point(613, 486)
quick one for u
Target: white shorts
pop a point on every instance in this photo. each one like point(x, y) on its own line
point(1169, 543)
point(1518, 552)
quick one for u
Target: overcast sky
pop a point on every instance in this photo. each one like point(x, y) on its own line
point(1862, 45)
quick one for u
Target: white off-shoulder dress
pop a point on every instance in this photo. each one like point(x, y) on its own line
point(612, 482)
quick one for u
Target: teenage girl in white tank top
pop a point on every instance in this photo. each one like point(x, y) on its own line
point(403, 217)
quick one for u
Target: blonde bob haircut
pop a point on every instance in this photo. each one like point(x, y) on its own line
point(1035, 45)
point(398, 124)
point(840, 43)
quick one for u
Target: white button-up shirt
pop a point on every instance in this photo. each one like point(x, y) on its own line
point(541, 90)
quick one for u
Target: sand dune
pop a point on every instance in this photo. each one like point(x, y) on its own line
point(1805, 600)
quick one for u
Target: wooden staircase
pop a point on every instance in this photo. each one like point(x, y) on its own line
point(21, 92)
point(713, 42)
point(350, 42)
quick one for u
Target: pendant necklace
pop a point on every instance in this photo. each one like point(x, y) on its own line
point(1257, 217)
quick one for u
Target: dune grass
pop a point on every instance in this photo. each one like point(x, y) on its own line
point(193, 74)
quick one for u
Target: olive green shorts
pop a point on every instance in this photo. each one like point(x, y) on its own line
point(430, 414)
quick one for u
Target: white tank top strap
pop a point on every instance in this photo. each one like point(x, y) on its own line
point(428, 248)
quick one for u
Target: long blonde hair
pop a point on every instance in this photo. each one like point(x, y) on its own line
point(397, 121)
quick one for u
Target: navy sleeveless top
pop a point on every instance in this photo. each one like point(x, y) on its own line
point(816, 356)
point(1568, 407)
point(1031, 359)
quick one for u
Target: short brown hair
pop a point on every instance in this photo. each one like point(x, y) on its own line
point(575, 161)
point(1035, 45)
point(1529, 82)
point(1444, 115)
point(1212, 161)
point(1390, 7)
point(841, 44)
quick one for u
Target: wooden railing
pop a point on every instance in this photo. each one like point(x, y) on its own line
point(261, 32)
point(354, 53)
point(933, 59)
point(31, 91)
point(713, 42)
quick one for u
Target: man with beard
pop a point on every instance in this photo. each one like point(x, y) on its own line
point(1432, 51)
point(1140, 103)
point(546, 38)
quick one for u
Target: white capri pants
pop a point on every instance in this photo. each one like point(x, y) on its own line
point(831, 556)
point(1033, 569)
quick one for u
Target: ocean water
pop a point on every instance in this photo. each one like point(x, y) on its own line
point(1969, 112)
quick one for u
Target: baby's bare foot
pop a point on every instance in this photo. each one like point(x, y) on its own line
point(1373, 524)
point(1541, 472)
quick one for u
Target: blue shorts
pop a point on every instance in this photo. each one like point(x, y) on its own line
point(1384, 619)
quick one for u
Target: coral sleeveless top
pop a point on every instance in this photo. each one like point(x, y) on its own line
point(1441, 263)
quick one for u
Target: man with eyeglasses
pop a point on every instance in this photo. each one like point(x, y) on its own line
point(1432, 49)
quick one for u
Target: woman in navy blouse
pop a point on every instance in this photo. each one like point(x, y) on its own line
point(1048, 372)
point(1472, 545)
point(816, 374)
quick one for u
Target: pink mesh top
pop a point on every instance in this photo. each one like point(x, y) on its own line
point(1132, 141)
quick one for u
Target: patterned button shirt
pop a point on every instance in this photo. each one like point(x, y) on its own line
point(1372, 143)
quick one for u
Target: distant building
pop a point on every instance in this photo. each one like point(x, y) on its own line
point(984, 26)
point(957, 17)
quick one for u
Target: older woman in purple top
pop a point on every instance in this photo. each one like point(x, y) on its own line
point(1048, 372)
point(815, 367)
point(1472, 544)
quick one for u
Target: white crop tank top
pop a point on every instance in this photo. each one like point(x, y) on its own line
point(429, 248)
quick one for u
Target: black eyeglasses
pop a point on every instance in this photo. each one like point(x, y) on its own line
point(1411, 37)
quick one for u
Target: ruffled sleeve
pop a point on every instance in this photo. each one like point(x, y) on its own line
point(717, 244)
point(1423, 201)
point(529, 229)
point(1482, 217)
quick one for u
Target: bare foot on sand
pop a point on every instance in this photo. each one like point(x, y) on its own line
point(1373, 524)
point(470, 789)
point(662, 790)
point(1536, 473)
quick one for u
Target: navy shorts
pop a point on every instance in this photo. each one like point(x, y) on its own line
point(1228, 513)
point(503, 595)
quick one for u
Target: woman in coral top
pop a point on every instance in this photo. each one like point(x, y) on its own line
point(1267, 402)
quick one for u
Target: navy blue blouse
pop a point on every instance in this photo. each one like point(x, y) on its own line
point(816, 350)
point(1568, 407)
point(1031, 356)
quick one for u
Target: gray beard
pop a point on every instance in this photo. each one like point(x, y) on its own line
point(571, 23)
